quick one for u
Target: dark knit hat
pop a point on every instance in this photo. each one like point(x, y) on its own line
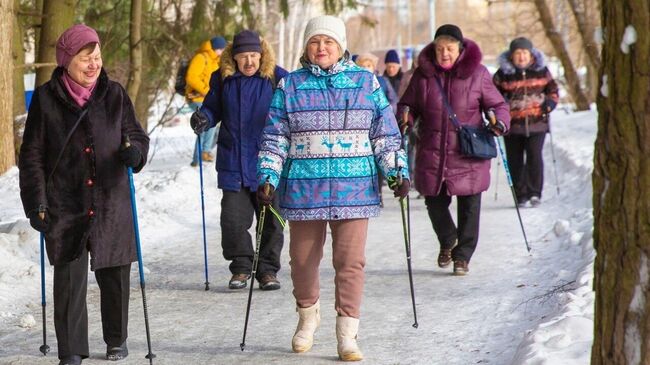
point(246, 41)
point(218, 42)
point(449, 30)
point(391, 57)
point(521, 43)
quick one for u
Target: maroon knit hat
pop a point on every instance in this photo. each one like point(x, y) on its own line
point(72, 41)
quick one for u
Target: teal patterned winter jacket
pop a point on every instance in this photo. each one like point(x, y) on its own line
point(325, 136)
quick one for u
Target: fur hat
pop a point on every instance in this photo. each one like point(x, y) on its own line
point(72, 41)
point(328, 25)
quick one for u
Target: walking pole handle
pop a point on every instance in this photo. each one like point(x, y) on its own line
point(126, 142)
point(41, 211)
point(492, 116)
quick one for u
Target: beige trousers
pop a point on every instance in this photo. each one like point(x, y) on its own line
point(307, 239)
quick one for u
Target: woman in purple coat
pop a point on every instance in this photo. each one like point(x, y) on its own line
point(440, 170)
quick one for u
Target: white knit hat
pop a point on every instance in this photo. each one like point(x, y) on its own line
point(328, 25)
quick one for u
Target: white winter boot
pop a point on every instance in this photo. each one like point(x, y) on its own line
point(346, 335)
point(309, 321)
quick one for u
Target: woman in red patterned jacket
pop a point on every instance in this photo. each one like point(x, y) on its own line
point(527, 85)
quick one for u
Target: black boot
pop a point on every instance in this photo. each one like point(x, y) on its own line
point(114, 353)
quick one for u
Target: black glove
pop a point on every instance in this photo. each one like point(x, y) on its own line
point(130, 156)
point(548, 105)
point(41, 225)
point(400, 189)
point(199, 122)
point(497, 128)
point(263, 198)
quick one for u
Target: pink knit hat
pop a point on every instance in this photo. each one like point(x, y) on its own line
point(72, 41)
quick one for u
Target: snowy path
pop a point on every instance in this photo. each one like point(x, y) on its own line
point(480, 318)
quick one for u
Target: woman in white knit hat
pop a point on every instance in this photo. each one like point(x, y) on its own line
point(329, 129)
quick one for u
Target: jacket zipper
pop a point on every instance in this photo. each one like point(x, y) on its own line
point(345, 116)
point(526, 97)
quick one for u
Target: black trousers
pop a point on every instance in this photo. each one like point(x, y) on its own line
point(526, 164)
point(237, 212)
point(469, 211)
point(70, 310)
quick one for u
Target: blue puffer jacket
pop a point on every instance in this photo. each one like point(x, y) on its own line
point(326, 135)
point(241, 103)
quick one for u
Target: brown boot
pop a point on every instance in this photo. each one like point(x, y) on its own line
point(461, 267)
point(207, 157)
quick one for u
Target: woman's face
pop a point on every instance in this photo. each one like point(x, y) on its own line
point(521, 57)
point(323, 51)
point(85, 66)
point(447, 52)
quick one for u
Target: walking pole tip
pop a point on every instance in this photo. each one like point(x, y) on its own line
point(44, 349)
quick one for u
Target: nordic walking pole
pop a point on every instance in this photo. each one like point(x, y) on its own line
point(405, 208)
point(44, 347)
point(557, 184)
point(258, 241)
point(205, 241)
point(493, 121)
point(496, 184)
point(134, 211)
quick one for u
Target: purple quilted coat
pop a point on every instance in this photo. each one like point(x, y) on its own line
point(470, 91)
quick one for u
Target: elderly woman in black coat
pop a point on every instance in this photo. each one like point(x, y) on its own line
point(74, 189)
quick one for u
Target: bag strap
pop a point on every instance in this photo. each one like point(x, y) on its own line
point(65, 143)
point(450, 111)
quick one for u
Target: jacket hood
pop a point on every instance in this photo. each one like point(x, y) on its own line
point(509, 68)
point(469, 59)
point(228, 66)
point(206, 46)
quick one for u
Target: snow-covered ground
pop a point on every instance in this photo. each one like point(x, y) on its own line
point(513, 308)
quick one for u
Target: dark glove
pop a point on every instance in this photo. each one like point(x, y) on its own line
point(548, 105)
point(265, 198)
point(41, 225)
point(199, 122)
point(400, 189)
point(497, 128)
point(130, 156)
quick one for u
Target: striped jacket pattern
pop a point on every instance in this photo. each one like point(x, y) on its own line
point(326, 135)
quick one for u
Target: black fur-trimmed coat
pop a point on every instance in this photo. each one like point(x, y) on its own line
point(87, 195)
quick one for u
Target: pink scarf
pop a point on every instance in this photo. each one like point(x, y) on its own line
point(79, 94)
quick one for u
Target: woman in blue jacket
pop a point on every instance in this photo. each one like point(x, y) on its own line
point(239, 97)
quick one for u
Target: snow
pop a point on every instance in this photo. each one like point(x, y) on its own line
point(629, 38)
point(514, 307)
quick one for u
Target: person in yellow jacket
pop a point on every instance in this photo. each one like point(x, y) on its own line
point(203, 64)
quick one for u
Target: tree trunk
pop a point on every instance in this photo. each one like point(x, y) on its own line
point(621, 188)
point(135, 54)
point(586, 30)
point(142, 103)
point(572, 79)
point(7, 155)
point(18, 56)
point(58, 16)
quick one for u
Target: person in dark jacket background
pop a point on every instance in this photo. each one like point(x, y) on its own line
point(240, 97)
point(527, 84)
point(393, 72)
point(440, 170)
point(74, 188)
